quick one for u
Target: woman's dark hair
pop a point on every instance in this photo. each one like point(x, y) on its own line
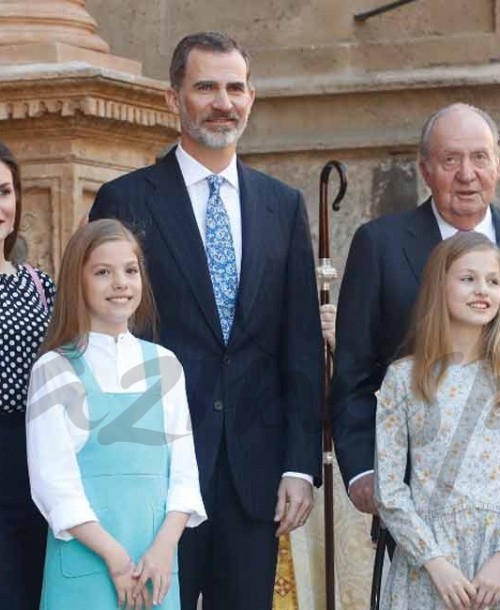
point(8, 159)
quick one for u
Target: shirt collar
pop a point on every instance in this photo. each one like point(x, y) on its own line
point(103, 339)
point(193, 171)
point(485, 227)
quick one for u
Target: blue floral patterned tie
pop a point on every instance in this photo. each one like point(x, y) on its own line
point(220, 255)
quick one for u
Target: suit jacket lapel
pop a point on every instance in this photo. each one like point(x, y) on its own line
point(495, 215)
point(255, 224)
point(173, 213)
point(423, 235)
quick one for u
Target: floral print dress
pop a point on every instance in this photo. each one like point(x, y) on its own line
point(451, 506)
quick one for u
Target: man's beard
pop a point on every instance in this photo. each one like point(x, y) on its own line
point(213, 139)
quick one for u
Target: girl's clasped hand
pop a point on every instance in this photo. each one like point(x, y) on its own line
point(122, 575)
point(459, 593)
point(156, 567)
point(146, 584)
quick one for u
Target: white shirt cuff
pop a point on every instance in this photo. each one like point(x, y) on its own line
point(299, 475)
point(183, 500)
point(359, 476)
point(64, 517)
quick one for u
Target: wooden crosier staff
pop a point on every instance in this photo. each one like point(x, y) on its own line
point(326, 273)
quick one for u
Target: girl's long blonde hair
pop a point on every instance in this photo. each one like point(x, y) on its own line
point(70, 323)
point(429, 338)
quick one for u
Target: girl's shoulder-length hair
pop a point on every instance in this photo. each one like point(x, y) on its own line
point(70, 323)
point(429, 338)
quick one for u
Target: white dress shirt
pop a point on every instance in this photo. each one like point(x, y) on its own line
point(195, 178)
point(57, 429)
point(486, 226)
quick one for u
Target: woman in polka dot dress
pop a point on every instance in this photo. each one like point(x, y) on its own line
point(23, 321)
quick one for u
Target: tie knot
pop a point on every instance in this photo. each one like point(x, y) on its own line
point(214, 183)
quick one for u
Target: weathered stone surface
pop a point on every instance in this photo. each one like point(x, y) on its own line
point(295, 38)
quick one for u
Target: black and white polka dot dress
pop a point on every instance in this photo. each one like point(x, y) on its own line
point(23, 322)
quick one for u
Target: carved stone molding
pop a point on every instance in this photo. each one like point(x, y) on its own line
point(88, 106)
point(78, 90)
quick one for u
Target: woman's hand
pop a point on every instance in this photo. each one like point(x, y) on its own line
point(156, 566)
point(456, 591)
point(487, 581)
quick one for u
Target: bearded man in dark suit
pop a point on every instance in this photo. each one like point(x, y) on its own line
point(229, 256)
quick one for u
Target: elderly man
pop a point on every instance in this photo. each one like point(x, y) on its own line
point(229, 256)
point(459, 160)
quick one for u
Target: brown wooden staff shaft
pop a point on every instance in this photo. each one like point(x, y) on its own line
point(326, 273)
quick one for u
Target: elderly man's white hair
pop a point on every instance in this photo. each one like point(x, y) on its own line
point(431, 121)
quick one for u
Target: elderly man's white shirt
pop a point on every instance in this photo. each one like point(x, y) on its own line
point(486, 226)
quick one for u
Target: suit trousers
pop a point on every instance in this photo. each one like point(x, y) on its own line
point(230, 558)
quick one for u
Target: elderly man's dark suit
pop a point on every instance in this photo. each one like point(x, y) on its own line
point(259, 396)
point(379, 288)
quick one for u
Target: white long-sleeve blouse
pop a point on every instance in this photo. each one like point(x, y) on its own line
point(58, 421)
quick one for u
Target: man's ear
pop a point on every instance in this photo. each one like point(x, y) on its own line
point(172, 99)
point(252, 95)
point(424, 170)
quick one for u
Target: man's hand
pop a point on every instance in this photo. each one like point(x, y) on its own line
point(295, 502)
point(487, 581)
point(328, 313)
point(456, 591)
point(361, 494)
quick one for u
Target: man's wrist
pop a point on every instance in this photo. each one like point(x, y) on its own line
point(298, 475)
point(358, 477)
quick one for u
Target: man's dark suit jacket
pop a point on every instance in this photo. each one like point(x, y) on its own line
point(379, 287)
point(264, 387)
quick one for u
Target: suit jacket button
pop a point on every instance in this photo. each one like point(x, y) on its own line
point(218, 405)
point(226, 360)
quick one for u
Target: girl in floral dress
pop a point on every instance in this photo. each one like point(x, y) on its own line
point(440, 407)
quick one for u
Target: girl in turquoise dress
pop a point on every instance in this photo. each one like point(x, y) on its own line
point(441, 407)
point(110, 448)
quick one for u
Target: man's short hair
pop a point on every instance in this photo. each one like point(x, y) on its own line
point(214, 42)
point(431, 121)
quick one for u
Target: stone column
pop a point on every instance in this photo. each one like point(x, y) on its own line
point(24, 23)
point(74, 115)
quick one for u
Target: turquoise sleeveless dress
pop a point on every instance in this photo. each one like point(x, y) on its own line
point(124, 468)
